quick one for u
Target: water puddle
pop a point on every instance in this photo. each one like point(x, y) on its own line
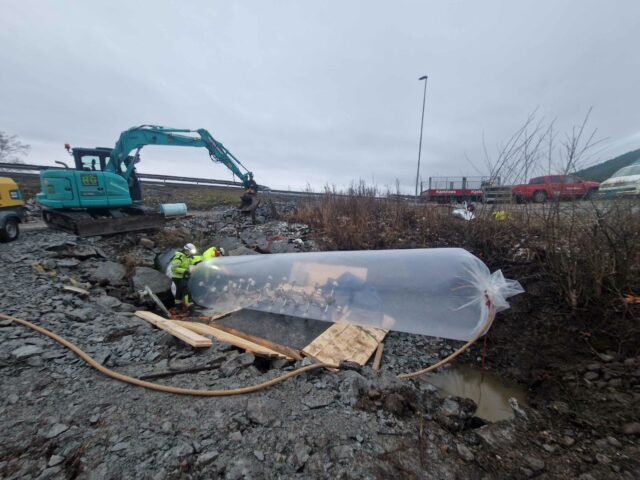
point(490, 393)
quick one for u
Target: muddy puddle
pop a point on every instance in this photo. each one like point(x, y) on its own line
point(490, 393)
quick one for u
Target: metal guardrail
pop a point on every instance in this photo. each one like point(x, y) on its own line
point(22, 170)
point(19, 168)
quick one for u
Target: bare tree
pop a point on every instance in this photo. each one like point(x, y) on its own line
point(533, 144)
point(519, 157)
point(11, 149)
point(575, 146)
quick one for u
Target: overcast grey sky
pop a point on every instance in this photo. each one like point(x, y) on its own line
point(317, 92)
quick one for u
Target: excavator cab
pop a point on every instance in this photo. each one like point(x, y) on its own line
point(91, 199)
point(95, 160)
point(89, 159)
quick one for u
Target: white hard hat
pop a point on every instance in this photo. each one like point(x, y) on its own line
point(190, 248)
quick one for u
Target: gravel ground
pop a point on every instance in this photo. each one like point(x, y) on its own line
point(62, 419)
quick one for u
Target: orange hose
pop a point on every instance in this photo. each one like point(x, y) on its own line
point(490, 318)
point(235, 391)
point(157, 386)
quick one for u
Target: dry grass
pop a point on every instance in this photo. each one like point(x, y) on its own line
point(172, 237)
point(363, 219)
point(196, 197)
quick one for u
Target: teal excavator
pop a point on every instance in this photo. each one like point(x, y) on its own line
point(102, 194)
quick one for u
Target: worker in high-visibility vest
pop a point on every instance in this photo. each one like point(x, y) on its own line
point(208, 254)
point(181, 264)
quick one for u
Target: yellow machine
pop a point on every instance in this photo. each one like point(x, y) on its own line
point(12, 209)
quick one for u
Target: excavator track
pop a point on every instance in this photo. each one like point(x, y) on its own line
point(84, 223)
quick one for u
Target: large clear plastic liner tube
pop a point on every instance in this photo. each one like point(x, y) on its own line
point(441, 292)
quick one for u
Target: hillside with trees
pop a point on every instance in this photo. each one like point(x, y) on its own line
point(602, 171)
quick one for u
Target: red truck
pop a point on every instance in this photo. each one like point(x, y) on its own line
point(541, 189)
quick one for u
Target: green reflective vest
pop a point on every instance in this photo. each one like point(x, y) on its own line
point(208, 254)
point(180, 264)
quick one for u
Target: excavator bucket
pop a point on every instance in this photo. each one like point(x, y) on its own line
point(249, 203)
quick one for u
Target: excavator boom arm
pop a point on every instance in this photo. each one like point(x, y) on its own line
point(137, 137)
point(219, 153)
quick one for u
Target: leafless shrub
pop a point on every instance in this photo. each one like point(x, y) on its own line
point(361, 217)
point(533, 150)
point(588, 249)
point(592, 252)
point(520, 156)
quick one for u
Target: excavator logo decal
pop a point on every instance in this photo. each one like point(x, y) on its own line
point(89, 180)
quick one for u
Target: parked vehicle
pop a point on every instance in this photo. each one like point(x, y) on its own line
point(625, 182)
point(541, 189)
point(12, 210)
point(456, 189)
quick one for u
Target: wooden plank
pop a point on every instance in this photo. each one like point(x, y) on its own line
point(150, 317)
point(378, 358)
point(283, 349)
point(219, 315)
point(344, 342)
point(226, 337)
point(81, 291)
point(177, 331)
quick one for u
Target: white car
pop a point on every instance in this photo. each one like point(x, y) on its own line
point(625, 182)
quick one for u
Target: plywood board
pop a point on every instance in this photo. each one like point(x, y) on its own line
point(344, 342)
point(177, 331)
point(226, 337)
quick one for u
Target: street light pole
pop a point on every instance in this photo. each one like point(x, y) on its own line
point(424, 101)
